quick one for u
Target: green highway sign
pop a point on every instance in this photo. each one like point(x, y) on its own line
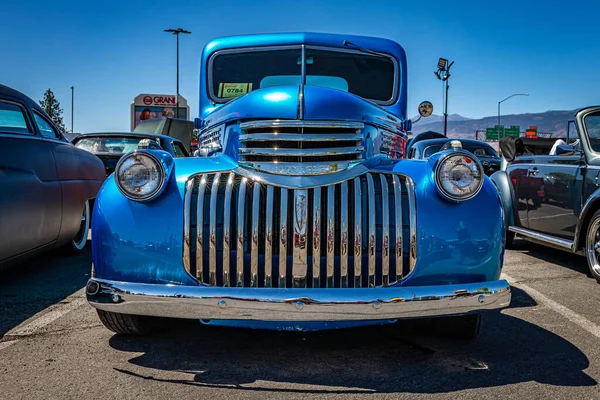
point(497, 132)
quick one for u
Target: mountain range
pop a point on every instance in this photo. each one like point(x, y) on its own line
point(553, 121)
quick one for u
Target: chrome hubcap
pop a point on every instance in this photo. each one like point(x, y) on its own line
point(593, 247)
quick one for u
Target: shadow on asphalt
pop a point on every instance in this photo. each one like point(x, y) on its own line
point(404, 357)
point(561, 258)
point(35, 284)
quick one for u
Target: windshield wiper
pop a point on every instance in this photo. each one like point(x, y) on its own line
point(363, 50)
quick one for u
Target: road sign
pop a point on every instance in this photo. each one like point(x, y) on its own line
point(499, 131)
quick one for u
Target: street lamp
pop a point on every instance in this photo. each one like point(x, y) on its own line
point(443, 74)
point(501, 101)
point(176, 32)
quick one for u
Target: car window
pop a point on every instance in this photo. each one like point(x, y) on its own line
point(114, 145)
point(179, 150)
point(431, 150)
point(12, 118)
point(592, 126)
point(45, 128)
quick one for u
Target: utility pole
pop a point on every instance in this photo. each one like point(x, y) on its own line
point(72, 105)
point(502, 101)
point(176, 32)
point(444, 67)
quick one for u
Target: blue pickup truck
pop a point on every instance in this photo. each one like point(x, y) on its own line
point(301, 212)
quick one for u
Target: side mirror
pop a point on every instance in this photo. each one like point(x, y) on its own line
point(425, 110)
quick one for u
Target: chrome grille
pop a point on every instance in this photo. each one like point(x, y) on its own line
point(284, 146)
point(245, 233)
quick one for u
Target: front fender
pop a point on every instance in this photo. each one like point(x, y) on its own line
point(502, 182)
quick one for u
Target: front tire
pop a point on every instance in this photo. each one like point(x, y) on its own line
point(592, 246)
point(127, 324)
point(510, 237)
point(464, 327)
point(78, 243)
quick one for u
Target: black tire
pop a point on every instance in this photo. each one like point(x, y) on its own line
point(591, 250)
point(127, 324)
point(464, 327)
point(77, 244)
point(510, 237)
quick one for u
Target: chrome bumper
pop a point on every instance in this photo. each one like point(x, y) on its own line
point(203, 302)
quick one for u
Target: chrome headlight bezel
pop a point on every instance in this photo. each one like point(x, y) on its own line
point(162, 170)
point(441, 162)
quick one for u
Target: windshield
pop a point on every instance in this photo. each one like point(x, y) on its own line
point(473, 148)
point(368, 76)
point(592, 126)
point(109, 145)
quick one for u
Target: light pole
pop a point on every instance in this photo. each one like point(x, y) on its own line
point(176, 32)
point(72, 106)
point(444, 68)
point(501, 101)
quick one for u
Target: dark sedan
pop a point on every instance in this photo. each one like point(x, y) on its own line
point(490, 160)
point(110, 147)
point(47, 185)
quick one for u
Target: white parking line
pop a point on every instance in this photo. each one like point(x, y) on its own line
point(65, 306)
point(569, 314)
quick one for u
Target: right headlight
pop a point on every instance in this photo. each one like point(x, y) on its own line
point(458, 176)
point(140, 176)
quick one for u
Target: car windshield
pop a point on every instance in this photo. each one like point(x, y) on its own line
point(368, 76)
point(473, 148)
point(592, 126)
point(109, 145)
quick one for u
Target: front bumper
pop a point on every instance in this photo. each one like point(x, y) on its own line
point(204, 302)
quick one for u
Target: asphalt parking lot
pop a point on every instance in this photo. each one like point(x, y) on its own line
point(544, 346)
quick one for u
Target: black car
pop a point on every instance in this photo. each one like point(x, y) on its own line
point(47, 186)
point(110, 147)
point(423, 149)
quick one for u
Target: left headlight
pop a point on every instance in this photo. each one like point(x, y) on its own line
point(458, 176)
point(140, 176)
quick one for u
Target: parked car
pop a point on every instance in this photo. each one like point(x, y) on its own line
point(110, 147)
point(305, 216)
point(489, 158)
point(555, 199)
point(47, 185)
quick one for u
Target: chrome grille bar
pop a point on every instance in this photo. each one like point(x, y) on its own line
point(398, 224)
point(240, 233)
point(200, 228)
point(357, 233)
point(283, 238)
point(330, 234)
point(212, 238)
point(344, 235)
point(335, 224)
point(254, 239)
point(371, 215)
point(227, 229)
point(283, 123)
point(269, 237)
point(316, 255)
point(295, 137)
point(257, 151)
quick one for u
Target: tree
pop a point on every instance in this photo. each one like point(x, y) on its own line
point(52, 107)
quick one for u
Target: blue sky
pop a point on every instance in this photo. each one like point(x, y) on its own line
point(113, 50)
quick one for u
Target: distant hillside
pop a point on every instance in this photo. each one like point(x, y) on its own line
point(458, 126)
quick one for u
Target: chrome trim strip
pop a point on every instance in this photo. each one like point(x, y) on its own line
point(344, 235)
point(330, 235)
point(200, 229)
point(187, 201)
point(398, 214)
point(269, 304)
point(283, 238)
point(240, 233)
point(357, 233)
point(303, 170)
point(227, 229)
point(543, 238)
point(300, 123)
point(254, 238)
point(385, 232)
point(371, 215)
point(256, 151)
point(300, 137)
point(412, 215)
point(316, 236)
point(269, 237)
point(212, 238)
point(300, 243)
